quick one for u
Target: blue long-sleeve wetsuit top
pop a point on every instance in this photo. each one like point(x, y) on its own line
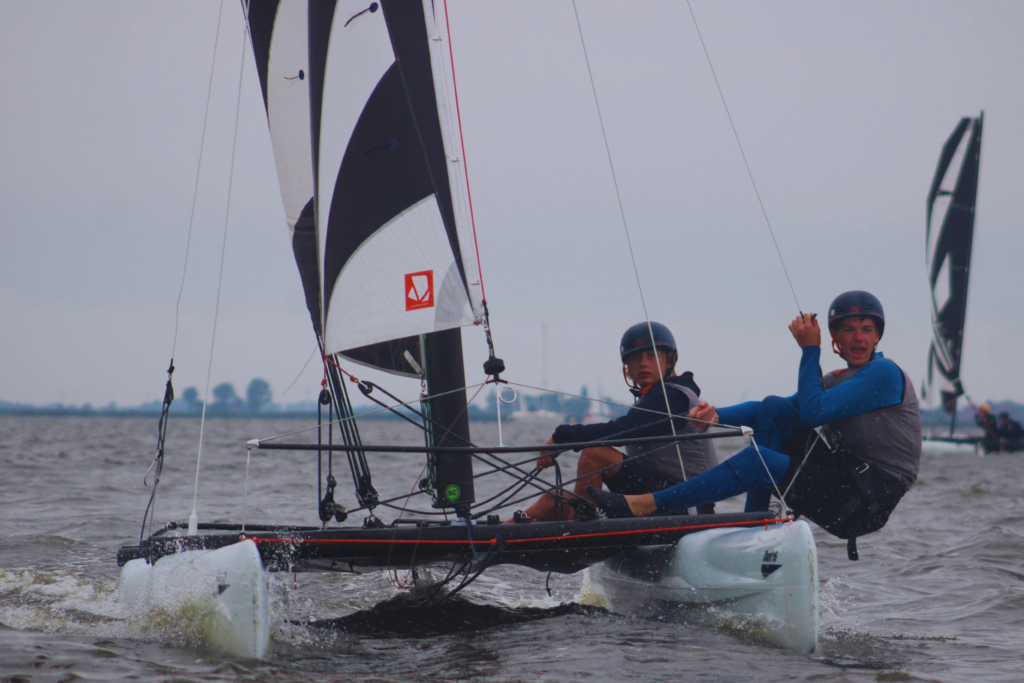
point(878, 384)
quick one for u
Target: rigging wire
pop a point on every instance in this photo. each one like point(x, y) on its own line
point(462, 146)
point(764, 212)
point(299, 376)
point(158, 462)
point(625, 226)
point(739, 144)
point(405, 404)
point(193, 519)
point(195, 191)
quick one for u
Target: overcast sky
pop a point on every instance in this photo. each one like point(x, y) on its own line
point(841, 107)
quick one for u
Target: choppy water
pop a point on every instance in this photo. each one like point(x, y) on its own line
point(938, 595)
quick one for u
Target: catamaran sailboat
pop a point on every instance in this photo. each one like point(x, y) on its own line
point(362, 106)
point(949, 237)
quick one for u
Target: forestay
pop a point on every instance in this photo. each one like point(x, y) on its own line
point(950, 232)
point(360, 102)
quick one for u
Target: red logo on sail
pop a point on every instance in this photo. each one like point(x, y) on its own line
point(419, 290)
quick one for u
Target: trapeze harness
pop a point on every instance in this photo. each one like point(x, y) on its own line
point(859, 469)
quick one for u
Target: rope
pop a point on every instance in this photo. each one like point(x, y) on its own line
point(744, 155)
point(157, 466)
point(299, 376)
point(799, 469)
point(158, 462)
point(245, 491)
point(192, 520)
point(625, 226)
point(768, 472)
point(405, 404)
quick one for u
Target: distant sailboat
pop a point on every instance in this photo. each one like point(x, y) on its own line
point(949, 238)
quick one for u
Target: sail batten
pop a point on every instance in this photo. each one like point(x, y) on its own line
point(948, 239)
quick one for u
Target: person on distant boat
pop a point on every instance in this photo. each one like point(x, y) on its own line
point(848, 476)
point(1011, 434)
point(648, 365)
point(984, 418)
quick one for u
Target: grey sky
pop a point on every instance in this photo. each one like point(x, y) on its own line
point(841, 107)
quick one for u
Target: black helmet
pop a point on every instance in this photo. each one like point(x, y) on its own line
point(857, 303)
point(638, 338)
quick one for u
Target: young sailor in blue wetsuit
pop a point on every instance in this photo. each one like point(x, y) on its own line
point(849, 476)
point(641, 469)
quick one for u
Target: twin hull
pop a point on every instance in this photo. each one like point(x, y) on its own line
point(217, 597)
point(768, 572)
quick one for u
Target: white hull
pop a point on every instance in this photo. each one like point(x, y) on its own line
point(770, 573)
point(216, 597)
point(535, 416)
point(950, 448)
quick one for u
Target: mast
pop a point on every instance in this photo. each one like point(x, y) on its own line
point(447, 409)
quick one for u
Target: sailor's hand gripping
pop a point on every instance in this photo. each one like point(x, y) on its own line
point(546, 460)
point(805, 330)
point(703, 416)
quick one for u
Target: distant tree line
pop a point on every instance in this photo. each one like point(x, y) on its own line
point(225, 400)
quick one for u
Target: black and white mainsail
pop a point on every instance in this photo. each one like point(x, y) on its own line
point(949, 236)
point(358, 100)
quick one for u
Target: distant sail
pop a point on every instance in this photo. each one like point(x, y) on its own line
point(397, 257)
point(383, 207)
point(949, 236)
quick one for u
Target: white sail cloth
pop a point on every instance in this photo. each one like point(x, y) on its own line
point(360, 101)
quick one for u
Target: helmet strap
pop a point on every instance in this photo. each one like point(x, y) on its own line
point(836, 348)
point(629, 380)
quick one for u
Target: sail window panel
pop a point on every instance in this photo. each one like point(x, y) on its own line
point(388, 356)
point(288, 107)
point(400, 282)
point(941, 291)
point(949, 180)
point(940, 207)
point(944, 198)
point(358, 57)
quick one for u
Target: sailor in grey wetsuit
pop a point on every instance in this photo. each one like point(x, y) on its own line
point(646, 362)
point(848, 478)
